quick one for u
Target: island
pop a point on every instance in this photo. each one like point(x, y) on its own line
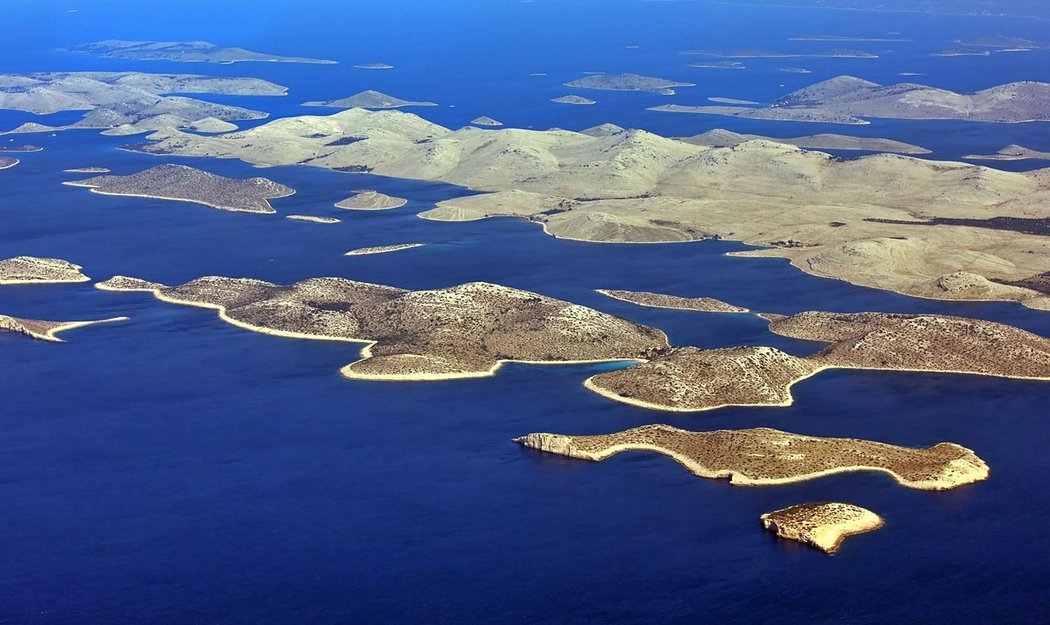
point(659, 300)
point(464, 331)
point(35, 270)
point(627, 82)
point(689, 379)
point(186, 184)
point(374, 66)
point(845, 99)
point(1003, 42)
point(824, 525)
point(1012, 152)
point(485, 121)
point(573, 99)
point(383, 249)
point(87, 170)
point(765, 113)
point(113, 99)
point(19, 149)
point(870, 220)
point(768, 457)
point(370, 200)
point(827, 141)
point(46, 330)
point(961, 52)
point(855, 38)
point(7, 162)
point(734, 101)
point(796, 70)
point(313, 219)
point(773, 54)
point(718, 65)
point(183, 52)
point(368, 100)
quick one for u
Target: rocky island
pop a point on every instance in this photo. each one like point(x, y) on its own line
point(34, 270)
point(7, 162)
point(46, 330)
point(627, 82)
point(87, 170)
point(184, 52)
point(768, 457)
point(464, 331)
point(186, 184)
point(485, 121)
point(573, 99)
point(1012, 152)
point(383, 249)
point(368, 100)
point(689, 379)
point(823, 525)
point(369, 200)
point(313, 219)
point(659, 300)
point(20, 149)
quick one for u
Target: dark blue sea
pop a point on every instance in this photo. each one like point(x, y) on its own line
point(178, 470)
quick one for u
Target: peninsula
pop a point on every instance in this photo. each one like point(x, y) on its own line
point(465, 331)
point(485, 121)
point(184, 52)
point(768, 457)
point(368, 100)
point(34, 270)
point(46, 330)
point(822, 525)
point(186, 184)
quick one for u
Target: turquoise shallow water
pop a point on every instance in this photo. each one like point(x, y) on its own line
point(176, 469)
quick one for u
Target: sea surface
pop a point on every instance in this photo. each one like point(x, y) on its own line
point(175, 469)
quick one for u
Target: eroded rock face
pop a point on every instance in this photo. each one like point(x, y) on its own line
point(457, 332)
point(34, 270)
point(822, 525)
point(764, 456)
